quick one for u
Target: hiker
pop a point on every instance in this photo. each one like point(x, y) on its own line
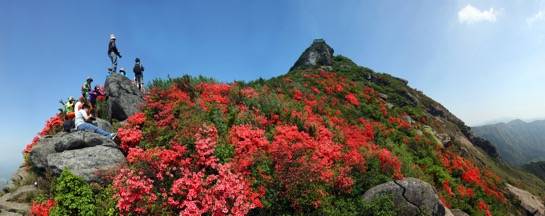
point(82, 117)
point(79, 104)
point(138, 73)
point(69, 108)
point(86, 87)
point(113, 53)
point(69, 105)
point(94, 94)
point(122, 71)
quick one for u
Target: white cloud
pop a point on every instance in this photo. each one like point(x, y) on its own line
point(539, 16)
point(470, 14)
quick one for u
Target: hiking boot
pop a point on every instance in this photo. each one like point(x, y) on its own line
point(113, 135)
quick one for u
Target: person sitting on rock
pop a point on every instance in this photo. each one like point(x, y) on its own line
point(138, 70)
point(113, 53)
point(82, 117)
point(122, 71)
point(86, 87)
point(79, 104)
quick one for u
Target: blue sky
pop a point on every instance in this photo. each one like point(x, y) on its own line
point(483, 60)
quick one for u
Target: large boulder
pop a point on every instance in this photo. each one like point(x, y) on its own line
point(93, 164)
point(319, 54)
point(124, 98)
point(411, 197)
point(532, 204)
point(85, 154)
point(80, 139)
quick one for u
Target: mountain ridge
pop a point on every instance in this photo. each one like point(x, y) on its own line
point(311, 141)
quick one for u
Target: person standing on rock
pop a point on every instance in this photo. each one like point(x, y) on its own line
point(138, 70)
point(82, 116)
point(113, 53)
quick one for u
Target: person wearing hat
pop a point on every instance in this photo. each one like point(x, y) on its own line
point(86, 87)
point(122, 71)
point(113, 53)
point(138, 70)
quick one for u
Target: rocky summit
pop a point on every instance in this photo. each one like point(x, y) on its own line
point(328, 138)
point(319, 54)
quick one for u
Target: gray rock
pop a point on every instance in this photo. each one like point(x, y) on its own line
point(319, 54)
point(78, 150)
point(92, 163)
point(38, 154)
point(13, 203)
point(411, 196)
point(532, 204)
point(103, 124)
point(80, 139)
point(124, 98)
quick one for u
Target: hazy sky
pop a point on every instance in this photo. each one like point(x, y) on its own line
point(483, 60)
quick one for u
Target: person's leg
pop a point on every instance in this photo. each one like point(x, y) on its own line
point(113, 58)
point(91, 128)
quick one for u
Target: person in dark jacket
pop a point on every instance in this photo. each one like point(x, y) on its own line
point(138, 73)
point(113, 53)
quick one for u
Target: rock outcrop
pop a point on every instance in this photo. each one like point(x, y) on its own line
point(319, 54)
point(18, 201)
point(532, 204)
point(93, 164)
point(85, 154)
point(411, 196)
point(124, 98)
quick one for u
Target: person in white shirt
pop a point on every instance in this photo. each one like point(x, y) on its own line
point(81, 123)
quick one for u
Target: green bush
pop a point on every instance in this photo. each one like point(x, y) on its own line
point(73, 196)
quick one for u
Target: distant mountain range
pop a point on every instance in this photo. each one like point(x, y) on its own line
point(518, 142)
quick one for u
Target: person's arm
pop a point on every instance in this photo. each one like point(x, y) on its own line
point(86, 117)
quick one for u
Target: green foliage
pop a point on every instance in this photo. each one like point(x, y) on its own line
point(105, 202)
point(224, 152)
point(73, 196)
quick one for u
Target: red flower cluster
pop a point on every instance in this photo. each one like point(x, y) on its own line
point(351, 98)
point(134, 192)
point(464, 191)
point(401, 123)
point(42, 209)
point(447, 188)
point(130, 138)
point(470, 174)
point(193, 184)
point(390, 163)
point(53, 124)
point(214, 93)
point(297, 95)
point(481, 205)
point(136, 120)
point(247, 142)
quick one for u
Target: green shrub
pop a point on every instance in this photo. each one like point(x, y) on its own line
point(73, 196)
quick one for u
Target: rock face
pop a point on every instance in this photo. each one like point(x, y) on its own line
point(532, 204)
point(92, 163)
point(80, 139)
point(317, 55)
point(85, 154)
point(411, 196)
point(17, 202)
point(124, 98)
